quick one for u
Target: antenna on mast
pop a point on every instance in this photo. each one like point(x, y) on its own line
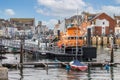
point(77, 18)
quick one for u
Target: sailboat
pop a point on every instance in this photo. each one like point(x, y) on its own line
point(76, 64)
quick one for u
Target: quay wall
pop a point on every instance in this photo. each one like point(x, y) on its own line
point(3, 73)
point(99, 40)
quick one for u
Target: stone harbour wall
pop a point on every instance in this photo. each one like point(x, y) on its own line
point(3, 73)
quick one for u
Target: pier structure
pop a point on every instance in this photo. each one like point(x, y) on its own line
point(53, 64)
point(51, 54)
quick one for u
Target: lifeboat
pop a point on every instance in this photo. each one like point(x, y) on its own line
point(71, 38)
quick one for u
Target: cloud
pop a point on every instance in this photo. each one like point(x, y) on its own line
point(64, 9)
point(59, 7)
point(9, 12)
point(111, 10)
point(117, 1)
point(51, 23)
point(90, 9)
point(42, 11)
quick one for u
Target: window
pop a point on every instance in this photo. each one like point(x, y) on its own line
point(103, 23)
point(80, 37)
point(72, 37)
point(69, 38)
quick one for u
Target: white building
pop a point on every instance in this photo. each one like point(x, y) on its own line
point(117, 28)
point(60, 27)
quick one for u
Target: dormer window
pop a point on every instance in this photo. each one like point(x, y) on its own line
point(103, 23)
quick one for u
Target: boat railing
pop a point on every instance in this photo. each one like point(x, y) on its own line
point(57, 49)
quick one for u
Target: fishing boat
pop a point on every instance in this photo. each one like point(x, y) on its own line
point(77, 65)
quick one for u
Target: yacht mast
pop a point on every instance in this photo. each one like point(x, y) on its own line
point(77, 35)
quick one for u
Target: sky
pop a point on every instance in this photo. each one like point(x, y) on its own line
point(50, 11)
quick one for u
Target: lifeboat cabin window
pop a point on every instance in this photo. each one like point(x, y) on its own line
point(80, 37)
point(70, 38)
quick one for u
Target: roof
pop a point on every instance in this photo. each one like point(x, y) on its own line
point(117, 17)
point(97, 15)
point(22, 19)
point(75, 17)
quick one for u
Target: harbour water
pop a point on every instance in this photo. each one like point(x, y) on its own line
point(55, 73)
point(61, 74)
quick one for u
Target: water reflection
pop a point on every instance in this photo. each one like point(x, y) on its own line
point(56, 73)
point(111, 71)
point(89, 72)
point(21, 72)
point(93, 73)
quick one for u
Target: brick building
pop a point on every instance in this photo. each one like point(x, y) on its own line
point(102, 24)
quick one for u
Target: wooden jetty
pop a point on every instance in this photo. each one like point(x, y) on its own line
point(53, 64)
point(34, 64)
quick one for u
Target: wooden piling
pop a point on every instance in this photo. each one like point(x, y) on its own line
point(112, 56)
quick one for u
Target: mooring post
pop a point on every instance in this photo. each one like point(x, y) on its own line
point(21, 52)
point(102, 41)
point(21, 55)
point(112, 73)
point(89, 37)
point(46, 68)
point(89, 72)
point(112, 56)
point(112, 53)
point(97, 40)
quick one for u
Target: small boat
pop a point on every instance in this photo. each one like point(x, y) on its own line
point(3, 57)
point(107, 49)
point(77, 65)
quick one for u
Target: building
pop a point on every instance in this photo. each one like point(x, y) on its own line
point(4, 24)
point(23, 23)
point(101, 24)
point(41, 29)
point(117, 28)
point(56, 29)
point(66, 23)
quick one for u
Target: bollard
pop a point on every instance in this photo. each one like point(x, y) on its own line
point(3, 73)
point(68, 68)
point(107, 67)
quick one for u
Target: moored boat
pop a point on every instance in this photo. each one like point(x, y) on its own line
point(68, 40)
point(77, 65)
